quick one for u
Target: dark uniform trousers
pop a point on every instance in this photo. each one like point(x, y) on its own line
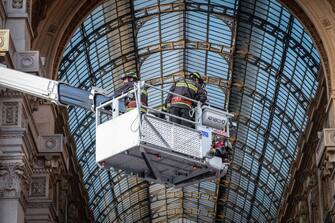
point(180, 106)
point(183, 113)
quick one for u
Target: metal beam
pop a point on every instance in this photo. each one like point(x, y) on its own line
point(272, 112)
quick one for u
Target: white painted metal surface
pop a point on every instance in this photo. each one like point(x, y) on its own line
point(214, 118)
point(156, 149)
point(117, 135)
point(142, 144)
point(206, 139)
point(30, 84)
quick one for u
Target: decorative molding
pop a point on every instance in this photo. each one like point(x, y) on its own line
point(52, 29)
point(38, 187)
point(8, 93)
point(326, 23)
point(16, 8)
point(17, 4)
point(10, 113)
point(326, 144)
point(329, 137)
point(28, 61)
point(11, 175)
point(4, 40)
point(51, 143)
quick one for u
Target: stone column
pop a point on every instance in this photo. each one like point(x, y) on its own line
point(49, 169)
point(19, 23)
point(14, 164)
point(12, 183)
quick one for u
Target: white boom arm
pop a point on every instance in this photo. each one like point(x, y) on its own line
point(30, 84)
point(54, 91)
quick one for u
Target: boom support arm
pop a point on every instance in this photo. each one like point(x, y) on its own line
point(54, 91)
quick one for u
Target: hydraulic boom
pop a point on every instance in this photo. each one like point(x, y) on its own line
point(143, 141)
point(54, 91)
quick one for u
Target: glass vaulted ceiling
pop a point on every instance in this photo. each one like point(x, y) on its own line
point(259, 63)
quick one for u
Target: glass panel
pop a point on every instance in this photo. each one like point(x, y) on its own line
point(270, 64)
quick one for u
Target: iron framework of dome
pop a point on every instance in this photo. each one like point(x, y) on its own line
point(259, 63)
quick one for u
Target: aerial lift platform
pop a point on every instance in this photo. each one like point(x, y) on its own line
point(143, 144)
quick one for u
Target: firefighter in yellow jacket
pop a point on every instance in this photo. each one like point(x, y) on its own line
point(128, 80)
point(190, 87)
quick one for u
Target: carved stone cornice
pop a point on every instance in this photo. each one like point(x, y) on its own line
point(8, 93)
point(325, 152)
point(45, 211)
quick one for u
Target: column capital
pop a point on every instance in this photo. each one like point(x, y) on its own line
point(13, 179)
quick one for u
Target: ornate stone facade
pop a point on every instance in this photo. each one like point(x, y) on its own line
point(40, 179)
point(11, 179)
point(9, 113)
point(36, 168)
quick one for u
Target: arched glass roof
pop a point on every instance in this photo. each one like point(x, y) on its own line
point(259, 63)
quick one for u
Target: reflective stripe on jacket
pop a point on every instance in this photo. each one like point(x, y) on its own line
point(181, 101)
point(187, 88)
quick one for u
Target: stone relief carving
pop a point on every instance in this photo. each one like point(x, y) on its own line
point(10, 113)
point(38, 187)
point(17, 4)
point(326, 23)
point(51, 143)
point(11, 175)
point(329, 136)
point(4, 40)
point(28, 61)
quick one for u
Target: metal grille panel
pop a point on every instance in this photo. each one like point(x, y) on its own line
point(171, 136)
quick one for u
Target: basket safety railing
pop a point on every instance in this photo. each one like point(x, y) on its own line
point(115, 107)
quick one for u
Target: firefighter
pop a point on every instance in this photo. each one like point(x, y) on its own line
point(128, 80)
point(190, 87)
point(221, 148)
